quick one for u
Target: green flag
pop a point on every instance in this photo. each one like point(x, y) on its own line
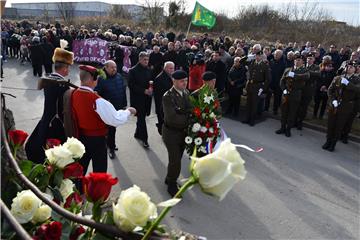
point(203, 17)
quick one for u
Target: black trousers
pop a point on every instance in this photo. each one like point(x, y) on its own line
point(111, 138)
point(252, 102)
point(234, 100)
point(37, 69)
point(289, 109)
point(277, 99)
point(320, 98)
point(48, 68)
point(160, 117)
point(141, 129)
point(95, 150)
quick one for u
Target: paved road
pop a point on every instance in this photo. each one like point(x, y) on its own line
point(293, 190)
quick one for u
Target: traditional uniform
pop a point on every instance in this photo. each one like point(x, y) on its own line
point(259, 79)
point(343, 93)
point(92, 115)
point(292, 90)
point(307, 93)
point(51, 122)
point(176, 106)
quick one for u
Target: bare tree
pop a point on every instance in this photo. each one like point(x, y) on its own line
point(118, 11)
point(67, 11)
point(153, 11)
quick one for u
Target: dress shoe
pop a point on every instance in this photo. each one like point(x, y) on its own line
point(326, 145)
point(287, 132)
point(299, 126)
point(172, 189)
point(281, 130)
point(245, 121)
point(345, 140)
point(146, 144)
point(112, 154)
point(116, 148)
point(331, 147)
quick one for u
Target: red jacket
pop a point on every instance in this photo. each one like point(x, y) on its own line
point(195, 76)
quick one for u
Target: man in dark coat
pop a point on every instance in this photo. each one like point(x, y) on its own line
point(37, 56)
point(162, 83)
point(112, 89)
point(48, 51)
point(176, 107)
point(140, 95)
point(51, 124)
point(156, 61)
point(219, 68)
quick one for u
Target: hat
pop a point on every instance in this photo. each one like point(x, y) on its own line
point(259, 53)
point(198, 56)
point(63, 56)
point(179, 74)
point(88, 68)
point(350, 63)
point(297, 56)
point(208, 76)
point(311, 54)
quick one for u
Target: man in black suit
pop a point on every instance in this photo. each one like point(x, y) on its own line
point(140, 95)
point(162, 83)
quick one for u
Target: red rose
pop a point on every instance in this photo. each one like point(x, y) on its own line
point(206, 110)
point(50, 231)
point(74, 170)
point(77, 232)
point(207, 125)
point(52, 142)
point(97, 186)
point(73, 198)
point(197, 111)
point(17, 137)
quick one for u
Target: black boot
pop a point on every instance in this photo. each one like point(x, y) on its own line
point(299, 125)
point(331, 148)
point(327, 144)
point(172, 189)
point(281, 130)
point(287, 132)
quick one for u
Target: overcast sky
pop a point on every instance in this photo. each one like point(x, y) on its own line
point(347, 10)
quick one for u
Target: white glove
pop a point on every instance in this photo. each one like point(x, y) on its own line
point(125, 69)
point(291, 74)
point(260, 91)
point(285, 92)
point(344, 81)
point(335, 103)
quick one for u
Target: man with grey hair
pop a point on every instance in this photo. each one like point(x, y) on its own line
point(113, 89)
point(141, 90)
point(162, 83)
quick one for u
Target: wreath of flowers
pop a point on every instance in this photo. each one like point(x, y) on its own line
point(203, 130)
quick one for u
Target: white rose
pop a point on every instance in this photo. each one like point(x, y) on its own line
point(196, 127)
point(133, 208)
point(188, 140)
point(66, 188)
point(75, 147)
point(212, 115)
point(203, 129)
point(219, 171)
point(211, 130)
point(42, 214)
point(198, 141)
point(24, 206)
point(59, 156)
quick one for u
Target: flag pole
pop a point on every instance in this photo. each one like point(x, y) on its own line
point(187, 33)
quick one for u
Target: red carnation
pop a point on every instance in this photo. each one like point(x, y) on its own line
point(197, 111)
point(207, 125)
point(73, 198)
point(52, 142)
point(77, 232)
point(97, 186)
point(17, 137)
point(74, 170)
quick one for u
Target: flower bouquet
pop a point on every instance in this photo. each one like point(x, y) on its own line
point(203, 131)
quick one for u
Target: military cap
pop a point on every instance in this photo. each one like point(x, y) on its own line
point(259, 53)
point(311, 54)
point(208, 76)
point(297, 56)
point(179, 74)
point(351, 63)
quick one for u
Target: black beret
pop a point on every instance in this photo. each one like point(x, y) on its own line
point(208, 76)
point(179, 74)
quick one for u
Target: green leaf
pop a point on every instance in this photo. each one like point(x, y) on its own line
point(66, 230)
point(57, 194)
point(36, 171)
point(108, 218)
point(56, 217)
point(43, 182)
point(86, 235)
point(101, 236)
point(58, 177)
point(26, 167)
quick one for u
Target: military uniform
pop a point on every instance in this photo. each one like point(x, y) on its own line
point(291, 97)
point(176, 109)
point(259, 78)
point(346, 97)
point(307, 93)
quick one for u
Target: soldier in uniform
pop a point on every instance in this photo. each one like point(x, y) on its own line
point(256, 85)
point(343, 93)
point(308, 90)
point(51, 122)
point(176, 107)
point(292, 83)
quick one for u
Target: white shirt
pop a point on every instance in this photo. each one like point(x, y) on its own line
point(107, 112)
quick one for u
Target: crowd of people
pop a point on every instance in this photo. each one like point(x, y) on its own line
point(288, 76)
